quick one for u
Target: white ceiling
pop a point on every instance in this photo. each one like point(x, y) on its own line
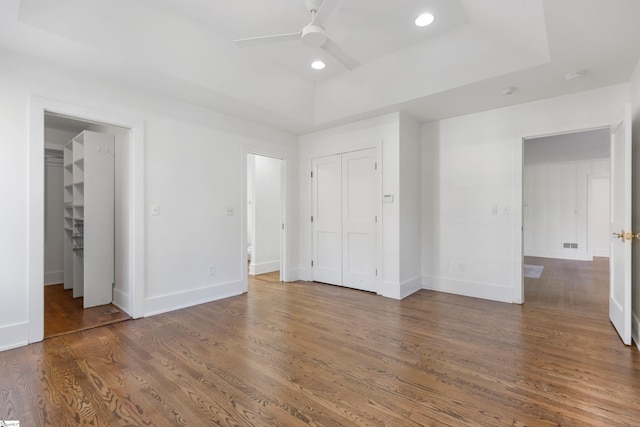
point(458, 65)
point(567, 147)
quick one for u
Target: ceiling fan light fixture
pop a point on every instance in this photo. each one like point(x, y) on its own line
point(318, 65)
point(424, 20)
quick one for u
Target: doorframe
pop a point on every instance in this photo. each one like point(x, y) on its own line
point(518, 245)
point(285, 235)
point(283, 209)
point(37, 108)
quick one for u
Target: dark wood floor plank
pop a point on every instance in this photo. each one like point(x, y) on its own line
point(64, 314)
point(311, 354)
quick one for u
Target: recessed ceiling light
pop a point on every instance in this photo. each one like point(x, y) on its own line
point(424, 19)
point(317, 65)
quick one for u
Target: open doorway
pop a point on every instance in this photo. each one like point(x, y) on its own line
point(129, 284)
point(566, 194)
point(83, 212)
point(265, 207)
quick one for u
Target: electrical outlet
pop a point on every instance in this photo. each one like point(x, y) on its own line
point(212, 270)
point(231, 211)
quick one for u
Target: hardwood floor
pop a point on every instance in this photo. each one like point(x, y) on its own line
point(64, 314)
point(309, 354)
point(570, 285)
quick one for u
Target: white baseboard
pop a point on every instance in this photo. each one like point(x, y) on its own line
point(53, 277)
point(573, 256)
point(13, 336)
point(470, 289)
point(635, 329)
point(304, 274)
point(401, 290)
point(264, 267)
point(121, 300)
point(294, 275)
point(178, 300)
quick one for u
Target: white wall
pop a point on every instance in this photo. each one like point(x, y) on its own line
point(635, 102)
point(558, 207)
point(480, 166)
point(54, 219)
point(410, 207)
point(267, 204)
point(194, 170)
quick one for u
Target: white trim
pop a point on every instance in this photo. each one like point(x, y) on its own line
point(37, 108)
point(635, 330)
point(264, 267)
point(402, 290)
point(53, 277)
point(285, 235)
point(178, 300)
point(467, 288)
point(121, 300)
point(573, 256)
point(14, 334)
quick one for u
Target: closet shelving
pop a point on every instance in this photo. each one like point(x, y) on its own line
point(88, 216)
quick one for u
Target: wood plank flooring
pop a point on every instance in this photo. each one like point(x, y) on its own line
point(570, 285)
point(64, 314)
point(289, 354)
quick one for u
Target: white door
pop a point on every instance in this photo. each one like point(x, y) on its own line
point(326, 208)
point(620, 253)
point(359, 219)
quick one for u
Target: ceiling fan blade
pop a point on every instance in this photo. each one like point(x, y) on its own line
point(253, 41)
point(343, 57)
point(324, 11)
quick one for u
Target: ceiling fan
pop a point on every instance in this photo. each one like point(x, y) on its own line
point(312, 34)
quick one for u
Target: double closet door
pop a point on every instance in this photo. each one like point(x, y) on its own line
point(344, 218)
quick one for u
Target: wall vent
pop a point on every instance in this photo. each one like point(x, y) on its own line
point(570, 245)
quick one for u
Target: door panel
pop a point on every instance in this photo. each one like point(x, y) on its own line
point(326, 197)
point(620, 253)
point(344, 219)
point(359, 219)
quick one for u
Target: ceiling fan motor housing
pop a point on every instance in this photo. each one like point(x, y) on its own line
point(313, 36)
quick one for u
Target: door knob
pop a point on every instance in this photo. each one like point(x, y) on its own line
point(627, 235)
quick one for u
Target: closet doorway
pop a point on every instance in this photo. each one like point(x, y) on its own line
point(265, 218)
point(344, 219)
point(80, 212)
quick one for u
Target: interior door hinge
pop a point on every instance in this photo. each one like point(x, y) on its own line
point(311, 218)
point(376, 272)
point(375, 166)
point(311, 174)
point(311, 263)
point(376, 219)
point(283, 225)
